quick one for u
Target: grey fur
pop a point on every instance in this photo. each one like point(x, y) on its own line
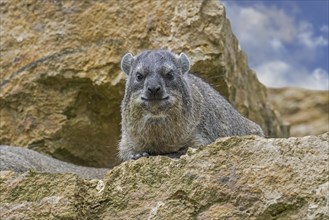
point(21, 160)
point(126, 62)
point(165, 115)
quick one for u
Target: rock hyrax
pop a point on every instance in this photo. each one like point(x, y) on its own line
point(166, 109)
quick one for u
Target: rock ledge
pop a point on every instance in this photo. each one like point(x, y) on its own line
point(235, 178)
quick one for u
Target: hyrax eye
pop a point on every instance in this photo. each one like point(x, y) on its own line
point(139, 76)
point(170, 75)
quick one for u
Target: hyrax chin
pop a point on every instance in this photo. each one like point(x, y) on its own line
point(166, 109)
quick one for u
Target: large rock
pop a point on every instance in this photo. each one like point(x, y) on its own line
point(233, 178)
point(306, 111)
point(20, 159)
point(61, 83)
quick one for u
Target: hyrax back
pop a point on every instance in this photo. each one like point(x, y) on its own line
point(166, 109)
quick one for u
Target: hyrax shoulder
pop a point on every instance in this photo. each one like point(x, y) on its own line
point(166, 109)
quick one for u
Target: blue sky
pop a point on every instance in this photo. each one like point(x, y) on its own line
point(286, 41)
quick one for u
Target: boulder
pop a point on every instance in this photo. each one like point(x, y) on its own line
point(61, 83)
point(306, 111)
point(234, 178)
point(21, 159)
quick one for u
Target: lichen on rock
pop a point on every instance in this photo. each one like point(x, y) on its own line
point(235, 178)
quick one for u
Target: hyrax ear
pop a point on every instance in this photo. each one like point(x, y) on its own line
point(126, 63)
point(185, 62)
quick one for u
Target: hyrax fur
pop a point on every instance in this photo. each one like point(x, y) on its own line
point(166, 109)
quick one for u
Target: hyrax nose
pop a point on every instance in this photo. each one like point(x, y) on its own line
point(154, 89)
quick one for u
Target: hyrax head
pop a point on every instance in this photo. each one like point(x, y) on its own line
point(155, 78)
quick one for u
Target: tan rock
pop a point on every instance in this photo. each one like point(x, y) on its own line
point(61, 84)
point(234, 178)
point(306, 111)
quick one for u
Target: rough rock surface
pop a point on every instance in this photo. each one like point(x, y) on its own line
point(61, 83)
point(233, 178)
point(22, 159)
point(306, 111)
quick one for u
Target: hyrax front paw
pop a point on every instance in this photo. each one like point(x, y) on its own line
point(138, 155)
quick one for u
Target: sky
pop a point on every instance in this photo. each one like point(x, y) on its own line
point(286, 41)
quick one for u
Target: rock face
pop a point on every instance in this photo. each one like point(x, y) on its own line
point(306, 111)
point(61, 84)
point(233, 178)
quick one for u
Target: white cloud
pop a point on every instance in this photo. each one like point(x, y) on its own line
point(280, 48)
point(263, 23)
point(276, 44)
point(321, 75)
point(306, 36)
point(272, 73)
point(280, 74)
